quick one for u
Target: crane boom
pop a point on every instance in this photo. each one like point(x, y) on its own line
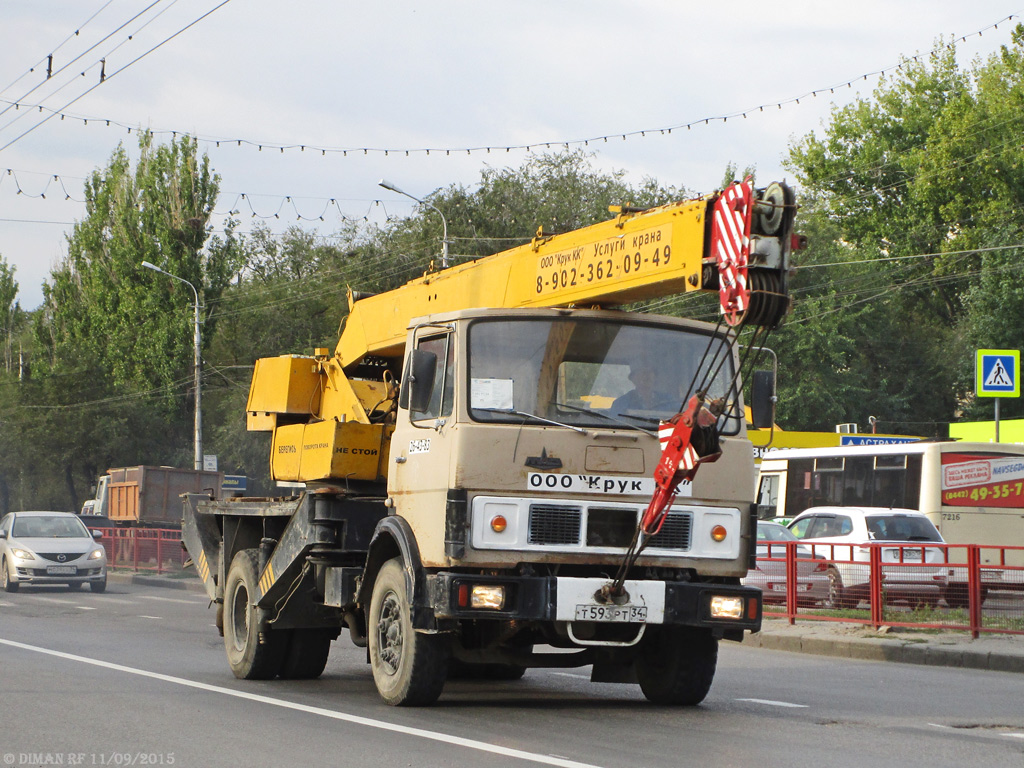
point(736, 242)
point(637, 255)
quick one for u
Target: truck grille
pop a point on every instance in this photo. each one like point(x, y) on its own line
point(675, 533)
point(556, 524)
point(552, 524)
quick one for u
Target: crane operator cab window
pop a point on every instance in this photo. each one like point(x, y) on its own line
point(588, 372)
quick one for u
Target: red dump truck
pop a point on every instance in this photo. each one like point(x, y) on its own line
point(149, 496)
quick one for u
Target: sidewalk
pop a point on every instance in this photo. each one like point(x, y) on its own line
point(998, 653)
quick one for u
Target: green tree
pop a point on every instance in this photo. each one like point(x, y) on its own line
point(112, 382)
point(922, 182)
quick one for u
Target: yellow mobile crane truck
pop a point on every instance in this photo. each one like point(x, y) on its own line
point(484, 486)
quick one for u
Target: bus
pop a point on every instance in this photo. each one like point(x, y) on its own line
point(972, 492)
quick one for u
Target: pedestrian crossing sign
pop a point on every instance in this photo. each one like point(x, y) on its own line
point(997, 373)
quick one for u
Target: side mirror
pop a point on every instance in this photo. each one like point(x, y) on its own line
point(418, 380)
point(762, 399)
point(97, 535)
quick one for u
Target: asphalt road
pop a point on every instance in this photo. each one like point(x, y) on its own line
point(137, 676)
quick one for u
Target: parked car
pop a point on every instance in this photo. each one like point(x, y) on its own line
point(50, 548)
point(845, 536)
point(770, 572)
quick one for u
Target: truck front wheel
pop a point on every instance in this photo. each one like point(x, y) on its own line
point(254, 652)
point(676, 665)
point(409, 667)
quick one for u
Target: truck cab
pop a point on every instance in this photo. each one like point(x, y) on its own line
point(532, 422)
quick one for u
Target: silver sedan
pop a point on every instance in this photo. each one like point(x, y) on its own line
point(770, 573)
point(50, 548)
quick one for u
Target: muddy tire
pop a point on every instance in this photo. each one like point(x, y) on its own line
point(676, 665)
point(255, 652)
point(307, 654)
point(6, 582)
point(409, 668)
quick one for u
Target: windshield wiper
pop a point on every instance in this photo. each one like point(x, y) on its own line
point(535, 417)
point(609, 417)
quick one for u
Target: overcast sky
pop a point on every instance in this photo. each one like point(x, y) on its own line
point(404, 76)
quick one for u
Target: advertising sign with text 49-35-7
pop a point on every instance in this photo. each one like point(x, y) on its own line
point(982, 481)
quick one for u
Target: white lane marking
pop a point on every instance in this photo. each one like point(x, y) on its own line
point(480, 746)
point(85, 608)
point(571, 674)
point(772, 703)
point(171, 599)
point(150, 617)
point(118, 600)
point(1014, 735)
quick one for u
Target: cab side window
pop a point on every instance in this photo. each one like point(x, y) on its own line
point(442, 395)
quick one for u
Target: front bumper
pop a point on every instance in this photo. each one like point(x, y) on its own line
point(536, 598)
point(31, 572)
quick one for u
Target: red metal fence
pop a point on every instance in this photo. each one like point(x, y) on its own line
point(144, 549)
point(939, 586)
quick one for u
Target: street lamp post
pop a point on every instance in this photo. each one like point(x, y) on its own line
point(198, 363)
point(444, 242)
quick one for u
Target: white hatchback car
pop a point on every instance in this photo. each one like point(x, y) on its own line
point(50, 548)
point(845, 536)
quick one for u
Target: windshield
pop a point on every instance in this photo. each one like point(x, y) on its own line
point(52, 527)
point(591, 371)
point(902, 528)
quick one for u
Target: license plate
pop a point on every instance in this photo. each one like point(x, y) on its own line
point(61, 570)
point(909, 555)
point(626, 613)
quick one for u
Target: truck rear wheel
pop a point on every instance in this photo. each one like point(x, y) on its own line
point(307, 654)
point(255, 652)
point(676, 665)
point(409, 667)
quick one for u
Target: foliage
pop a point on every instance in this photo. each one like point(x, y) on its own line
point(917, 183)
point(113, 341)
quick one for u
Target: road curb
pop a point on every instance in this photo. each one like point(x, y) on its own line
point(148, 580)
point(958, 654)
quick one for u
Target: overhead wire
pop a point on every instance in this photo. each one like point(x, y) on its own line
point(543, 144)
point(48, 58)
point(113, 74)
point(52, 74)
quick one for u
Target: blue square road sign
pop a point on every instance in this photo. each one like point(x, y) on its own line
point(997, 373)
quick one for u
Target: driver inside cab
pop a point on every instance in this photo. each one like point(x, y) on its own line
point(649, 392)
